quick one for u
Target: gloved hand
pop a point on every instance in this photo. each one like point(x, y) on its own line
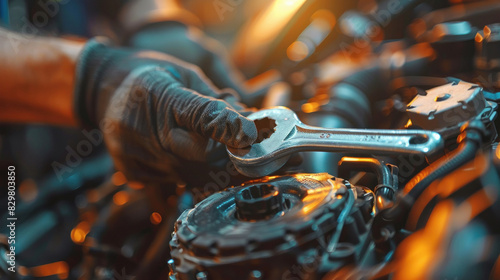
point(190, 44)
point(156, 112)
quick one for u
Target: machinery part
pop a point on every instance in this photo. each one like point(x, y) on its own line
point(322, 216)
point(387, 175)
point(454, 46)
point(487, 44)
point(471, 139)
point(281, 134)
point(393, 218)
point(447, 105)
point(258, 202)
point(487, 60)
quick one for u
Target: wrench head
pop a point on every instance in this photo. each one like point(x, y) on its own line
point(274, 125)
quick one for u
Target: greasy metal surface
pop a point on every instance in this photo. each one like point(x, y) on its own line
point(290, 135)
point(212, 238)
point(214, 220)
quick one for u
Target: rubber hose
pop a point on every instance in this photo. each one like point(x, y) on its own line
point(395, 216)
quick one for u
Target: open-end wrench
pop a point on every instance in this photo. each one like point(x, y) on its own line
point(287, 135)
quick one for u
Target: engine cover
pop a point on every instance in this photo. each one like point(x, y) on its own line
point(273, 228)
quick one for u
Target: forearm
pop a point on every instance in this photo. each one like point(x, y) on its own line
point(38, 76)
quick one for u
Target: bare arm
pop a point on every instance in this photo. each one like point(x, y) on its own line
point(37, 79)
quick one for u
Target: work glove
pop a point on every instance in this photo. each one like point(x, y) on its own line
point(156, 112)
point(190, 44)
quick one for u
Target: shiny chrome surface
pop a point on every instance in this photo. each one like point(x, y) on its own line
point(290, 135)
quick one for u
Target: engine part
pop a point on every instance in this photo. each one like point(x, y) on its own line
point(291, 222)
point(454, 46)
point(487, 60)
point(387, 176)
point(285, 134)
point(393, 218)
point(447, 105)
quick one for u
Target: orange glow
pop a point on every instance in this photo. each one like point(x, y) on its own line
point(60, 269)
point(274, 19)
point(478, 38)
point(316, 196)
point(79, 233)
point(475, 204)
point(120, 198)
point(327, 18)
point(28, 190)
point(446, 186)
point(421, 252)
point(118, 179)
point(310, 107)
point(417, 28)
point(487, 31)
point(155, 218)
point(23, 271)
point(380, 201)
point(135, 185)
point(297, 51)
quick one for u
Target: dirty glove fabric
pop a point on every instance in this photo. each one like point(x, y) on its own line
point(156, 112)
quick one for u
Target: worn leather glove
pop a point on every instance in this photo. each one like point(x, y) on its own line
point(190, 44)
point(156, 112)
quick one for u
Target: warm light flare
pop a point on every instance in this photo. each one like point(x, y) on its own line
point(486, 31)
point(297, 51)
point(61, 269)
point(135, 185)
point(155, 218)
point(118, 179)
point(310, 107)
point(316, 196)
point(120, 198)
point(445, 187)
point(421, 252)
point(79, 233)
point(478, 38)
point(274, 19)
point(475, 204)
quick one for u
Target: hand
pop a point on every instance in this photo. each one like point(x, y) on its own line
point(156, 112)
point(192, 45)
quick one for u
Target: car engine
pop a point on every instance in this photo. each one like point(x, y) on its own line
point(376, 159)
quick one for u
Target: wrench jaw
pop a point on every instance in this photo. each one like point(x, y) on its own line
point(256, 161)
point(260, 158)
point(251, 170)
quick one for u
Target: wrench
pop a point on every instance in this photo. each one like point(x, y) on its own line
point(290, 135)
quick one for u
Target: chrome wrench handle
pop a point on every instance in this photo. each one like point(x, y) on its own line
point(289, 135)
point(363, 140)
